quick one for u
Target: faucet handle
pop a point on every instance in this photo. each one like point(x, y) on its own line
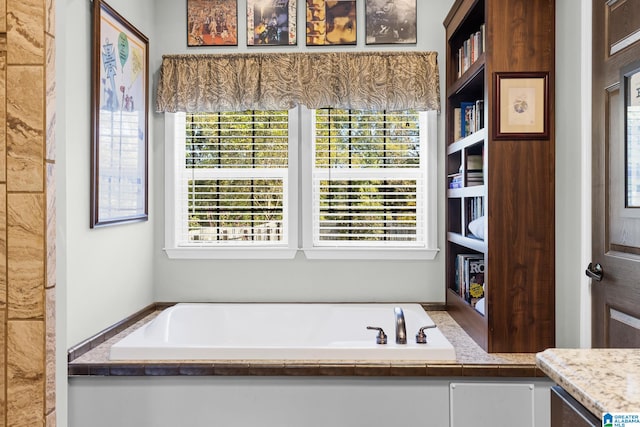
point(382, 337)
point(421, 337)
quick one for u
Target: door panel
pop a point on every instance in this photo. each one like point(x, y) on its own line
point(623, 330)
point(623, 19)
point(616, 227)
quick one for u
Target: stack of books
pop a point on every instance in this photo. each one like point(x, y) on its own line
point(475, 171)
point(470, 50)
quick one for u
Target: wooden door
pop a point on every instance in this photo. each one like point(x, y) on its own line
point(615, 268)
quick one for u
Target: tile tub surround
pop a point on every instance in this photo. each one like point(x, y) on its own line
point(92, 358)
point(602, 380)
point(27, 212)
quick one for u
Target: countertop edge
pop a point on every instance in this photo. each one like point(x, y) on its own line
point(600, 379)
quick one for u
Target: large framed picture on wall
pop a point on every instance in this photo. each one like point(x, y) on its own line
point(119, 119)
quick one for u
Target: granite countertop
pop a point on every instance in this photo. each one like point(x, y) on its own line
point(602, 380)
point(92, 358)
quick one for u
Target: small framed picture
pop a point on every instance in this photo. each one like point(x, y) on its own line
point(522, 105)
point(331, 22)
point(212, 23)
point(390, 21)
point(271, 22)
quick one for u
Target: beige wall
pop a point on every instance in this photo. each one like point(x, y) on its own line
point(27, 213)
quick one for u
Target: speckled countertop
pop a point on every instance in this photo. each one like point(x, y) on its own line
point(92, 358)
point(602, 380)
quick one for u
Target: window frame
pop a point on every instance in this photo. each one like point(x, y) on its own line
point(174, 139)
point(428, 148)
point(299, 195)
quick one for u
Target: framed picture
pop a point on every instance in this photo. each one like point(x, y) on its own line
point(390, 21)
point(522, 105)
point(212, 23)
point(271, 22)
point(331, 22)
point(119, 119)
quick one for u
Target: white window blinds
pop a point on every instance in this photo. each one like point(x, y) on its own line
point(368, 179)
point(233, 179)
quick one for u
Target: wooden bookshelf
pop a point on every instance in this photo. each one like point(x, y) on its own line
point(517, 187)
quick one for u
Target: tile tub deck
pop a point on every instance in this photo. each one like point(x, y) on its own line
point(92, 358)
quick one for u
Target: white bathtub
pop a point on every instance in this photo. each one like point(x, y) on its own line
point(281, 332)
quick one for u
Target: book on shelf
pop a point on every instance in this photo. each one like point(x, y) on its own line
point(457, 132)
point(479, 115)
point(455, 180)
point(475, 178)
point(474, 278)
point(466, 117)
point(469, 277)
point(471, 117)
point(474, 162)
point(475, 208)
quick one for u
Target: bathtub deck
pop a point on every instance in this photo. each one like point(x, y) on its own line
point(92, 358)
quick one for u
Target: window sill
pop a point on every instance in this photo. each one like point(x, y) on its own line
point(315, 253)
point(231, 253)
point(371, 254)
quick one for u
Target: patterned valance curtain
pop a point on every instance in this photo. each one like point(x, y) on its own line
point(273, 81)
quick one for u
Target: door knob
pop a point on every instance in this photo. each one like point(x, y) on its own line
point(594, 271)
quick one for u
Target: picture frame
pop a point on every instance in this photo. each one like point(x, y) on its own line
point(331, 22)
point(212, 23)
point(521, 105)
point(119, 119)
point(272, 22)
point(390, 22)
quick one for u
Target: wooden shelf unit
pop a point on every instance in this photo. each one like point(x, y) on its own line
point(518, 188)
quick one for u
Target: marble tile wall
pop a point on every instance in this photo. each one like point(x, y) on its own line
point(27, 213)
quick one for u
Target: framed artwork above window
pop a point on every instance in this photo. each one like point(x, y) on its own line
point(271, 22)
point(331, 22)
point(212, 23)
point(390, 21)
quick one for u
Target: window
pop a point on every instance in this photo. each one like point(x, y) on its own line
point(231, 185)
point(369, 184)
point(366, 179)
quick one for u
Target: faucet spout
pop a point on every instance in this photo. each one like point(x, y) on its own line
point(401, 329)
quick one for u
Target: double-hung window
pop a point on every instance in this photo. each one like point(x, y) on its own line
point(232, 185)
point(369, 184)
point(333, 183)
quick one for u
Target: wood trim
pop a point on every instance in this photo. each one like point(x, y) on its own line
point(474, 323)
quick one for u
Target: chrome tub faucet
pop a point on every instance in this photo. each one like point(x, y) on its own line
point(401, 329)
